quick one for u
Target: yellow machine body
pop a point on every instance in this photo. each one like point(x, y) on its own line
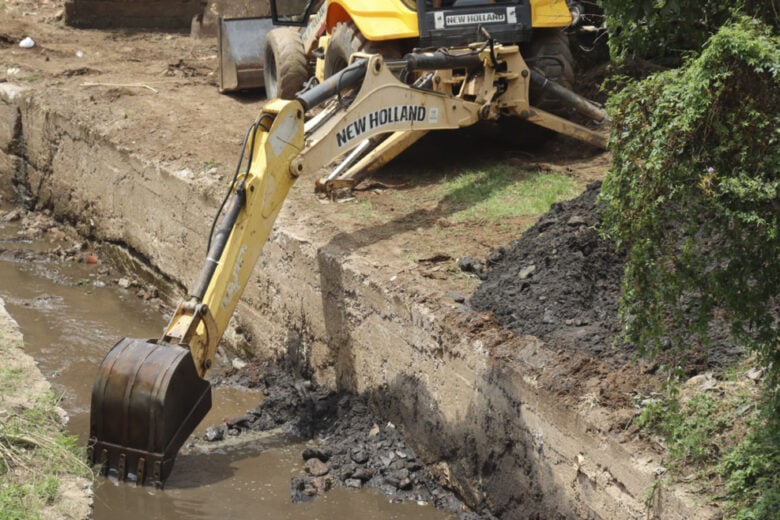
point(383, 20)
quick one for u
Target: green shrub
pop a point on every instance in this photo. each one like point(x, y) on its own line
point(665, 30)
point(693, 194)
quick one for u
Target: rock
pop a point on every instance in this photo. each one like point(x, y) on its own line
point(359, 455)
point(577, 220)
point(301, 489)
point(387, 459)
point(322, 484)
point(347, 471)
point(322, 454)
point(353, 483)
point(241, 421)
point(468, 264)
point(363, 474)
point(405, 484)
point(755, 374)
point(456, 297)
point(527, 272)
point(495, 256)
point(316, 467)
point(214, 434)
point(124, 283)
point(13, 216)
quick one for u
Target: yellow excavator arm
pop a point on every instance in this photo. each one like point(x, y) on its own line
point(151, 394)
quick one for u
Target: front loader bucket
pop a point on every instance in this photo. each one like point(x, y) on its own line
point(241, 59)
point(146, 401)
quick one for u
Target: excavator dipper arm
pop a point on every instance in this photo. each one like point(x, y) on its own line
point(150, 395)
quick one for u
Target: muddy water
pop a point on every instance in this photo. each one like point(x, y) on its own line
point(69, 321)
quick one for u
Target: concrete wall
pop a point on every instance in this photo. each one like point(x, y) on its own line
point(162, 14)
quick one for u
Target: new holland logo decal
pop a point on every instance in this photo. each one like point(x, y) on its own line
point(384, 117)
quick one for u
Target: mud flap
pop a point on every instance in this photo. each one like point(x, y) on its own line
point(146, 401)
point(241, 43)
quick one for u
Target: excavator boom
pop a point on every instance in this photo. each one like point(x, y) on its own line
point(150, 395)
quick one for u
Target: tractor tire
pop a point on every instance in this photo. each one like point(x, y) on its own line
point(344, 40)
point(549, 53)
point(285, 69)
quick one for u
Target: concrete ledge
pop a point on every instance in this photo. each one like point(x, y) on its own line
point(105, 14)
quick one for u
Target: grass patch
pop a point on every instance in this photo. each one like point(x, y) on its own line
point(501, 191)
point(34, 455)
point(10, 378)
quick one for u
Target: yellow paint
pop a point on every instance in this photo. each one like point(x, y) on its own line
point(550, 13)
point(377, 20)
point(380, 20)
point(267, 185)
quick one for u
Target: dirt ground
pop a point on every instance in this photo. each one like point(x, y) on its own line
point(170, 78)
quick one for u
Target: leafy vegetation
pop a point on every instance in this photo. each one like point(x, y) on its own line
point(712, 438)
point(666, 30)
point(693, 194)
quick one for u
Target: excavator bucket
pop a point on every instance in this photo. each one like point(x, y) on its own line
point(241, 58)
point(146, 401)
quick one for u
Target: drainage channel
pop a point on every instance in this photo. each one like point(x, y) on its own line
point(70, 316)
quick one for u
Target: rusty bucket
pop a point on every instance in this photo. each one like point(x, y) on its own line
point(146, 401)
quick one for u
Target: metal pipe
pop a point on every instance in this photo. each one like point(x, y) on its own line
point(569, 98)
point(350, 159)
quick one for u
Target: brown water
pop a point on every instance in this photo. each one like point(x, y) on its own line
point(69, 323)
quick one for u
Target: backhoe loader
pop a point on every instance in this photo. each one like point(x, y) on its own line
point(149, 395)
point(331, 31)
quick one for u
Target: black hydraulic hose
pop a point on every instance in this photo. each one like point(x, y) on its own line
point(442, 60)
point(216, 243)
point(230, 188)
point(331, 87)
point(219, 242)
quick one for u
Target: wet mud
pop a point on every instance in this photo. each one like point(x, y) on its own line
point(560, 282)
point(346, 445)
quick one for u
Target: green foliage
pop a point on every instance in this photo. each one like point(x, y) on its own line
point(653, 28)
point(751, 474)
point(694, 194)
point(34, 455)
point(688, 428)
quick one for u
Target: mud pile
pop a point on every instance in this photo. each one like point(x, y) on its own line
point(348, 446)
point(560, 281)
